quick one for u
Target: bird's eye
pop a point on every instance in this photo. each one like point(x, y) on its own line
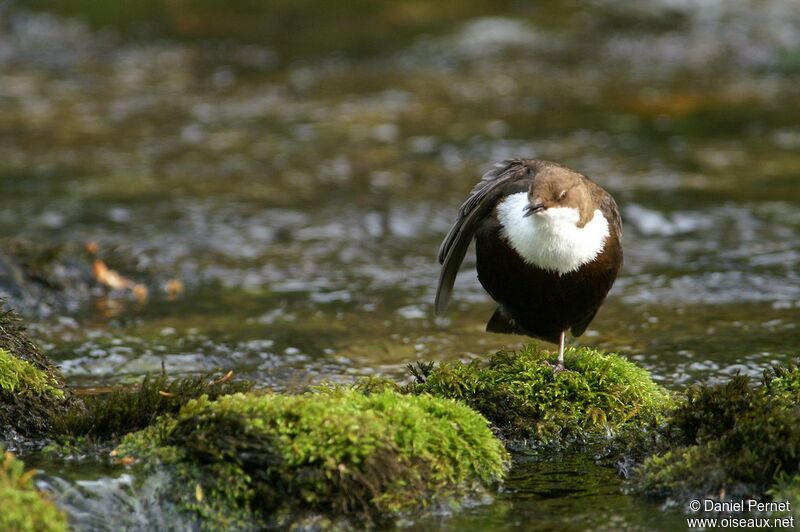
point(562, 194)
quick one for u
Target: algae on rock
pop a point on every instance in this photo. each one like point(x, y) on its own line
point(24, 509)
point(279, 458)
point(519, 392)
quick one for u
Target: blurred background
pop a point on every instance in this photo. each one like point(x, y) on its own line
point(269, 180)
point(262, 186)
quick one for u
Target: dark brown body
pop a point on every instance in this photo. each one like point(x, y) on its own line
point(541, 303)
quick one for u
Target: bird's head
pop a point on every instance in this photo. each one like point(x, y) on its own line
point(559, 188)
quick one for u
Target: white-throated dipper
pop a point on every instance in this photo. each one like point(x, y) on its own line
point(548, 246)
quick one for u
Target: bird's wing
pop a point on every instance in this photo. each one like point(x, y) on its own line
point(609, 208)
point(481, 199)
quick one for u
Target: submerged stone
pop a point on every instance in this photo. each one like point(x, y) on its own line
point(24, 509)
point(520, 394)
point(273, 460)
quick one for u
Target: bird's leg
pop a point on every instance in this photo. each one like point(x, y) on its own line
point(559, 366)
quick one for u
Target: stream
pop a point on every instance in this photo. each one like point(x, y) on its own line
point(297, 181)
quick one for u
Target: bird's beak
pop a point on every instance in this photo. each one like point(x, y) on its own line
point(532, 208)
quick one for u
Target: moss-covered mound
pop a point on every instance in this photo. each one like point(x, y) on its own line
point(730, 441)
point(23, 509)
point(31, 389)
point(274, 459)
point(520, 394)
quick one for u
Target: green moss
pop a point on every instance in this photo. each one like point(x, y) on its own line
point(18, 376)
point(729, 440)
point(23, 508)
point(277, 458)
point(783, 379)
point(370, 385)
point(521, 395)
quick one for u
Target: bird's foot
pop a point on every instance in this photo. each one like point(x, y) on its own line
point(558, 367)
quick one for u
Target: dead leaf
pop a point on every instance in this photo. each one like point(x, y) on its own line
point(173, 288)
point(110, 278)
point(140, 293)
point(225, 378)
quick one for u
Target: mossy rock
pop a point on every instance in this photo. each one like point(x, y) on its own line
point(730, 441)
point(519, 393)
point(31, 388)
point(272, 460)
point(14, 339)
point(124, 409)
point(24, 509)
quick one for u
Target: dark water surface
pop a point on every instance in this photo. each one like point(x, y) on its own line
point(299, 189)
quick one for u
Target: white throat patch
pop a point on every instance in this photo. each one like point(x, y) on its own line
point(551, 239)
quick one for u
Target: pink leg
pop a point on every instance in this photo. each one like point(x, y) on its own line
point(560, 363)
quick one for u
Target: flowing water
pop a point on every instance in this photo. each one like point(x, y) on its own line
point(298, 181)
